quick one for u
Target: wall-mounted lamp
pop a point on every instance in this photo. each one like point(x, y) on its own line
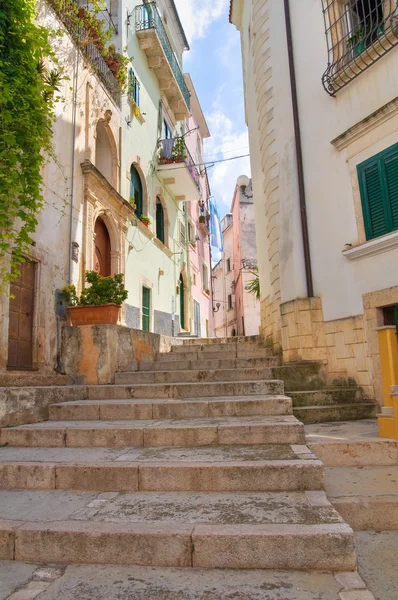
point(218, 304)
point(161, 272)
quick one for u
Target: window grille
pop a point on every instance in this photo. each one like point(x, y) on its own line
point(358, 33)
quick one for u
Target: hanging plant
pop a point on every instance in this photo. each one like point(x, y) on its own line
point(27, 99)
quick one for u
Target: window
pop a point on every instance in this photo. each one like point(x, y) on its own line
point(167, 131)
point(134, 88)
point(229, 301)
point(378, 184)
point(205, 277)
point(136, 191)
point(228, 265)
point(191, 234)
point(353, 26)
point(182, 234)
point(159, 221)
point(146, 308)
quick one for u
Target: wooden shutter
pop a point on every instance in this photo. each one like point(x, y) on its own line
point(146, 308)
point(159, 221)
point(378, 183)
point(391, 170)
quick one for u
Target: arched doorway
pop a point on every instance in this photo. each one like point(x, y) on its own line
point(103, 152)
point(102, 249)
point(182, 303)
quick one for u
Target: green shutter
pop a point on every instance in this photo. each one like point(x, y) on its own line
point(136, 190)
point(378, 184)
point(146, 308)
point(391, 169)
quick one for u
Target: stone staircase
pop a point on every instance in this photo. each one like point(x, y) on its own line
point(194, 460)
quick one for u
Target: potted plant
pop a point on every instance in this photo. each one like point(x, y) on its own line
point(356, 41)
point(98, 304)
point(132, 202)
point(179, 152)
point(145, 220)
point(207, 292)
point(202, 219)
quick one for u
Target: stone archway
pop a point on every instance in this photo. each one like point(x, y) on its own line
point(106, 153)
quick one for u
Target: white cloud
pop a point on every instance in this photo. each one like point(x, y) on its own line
point(226, 142)
point(197, 15)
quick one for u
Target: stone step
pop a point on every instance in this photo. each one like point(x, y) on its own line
point(327, 397)
point(148, 409)
point(183, 433)
point(366, 497)
point(290, 530)
point(185, 390)
point(116, 582)
point(217, 347)
point(194, 376)
point(222, 469)
point(184, 365)
point(342, 412)
point(214, 353)
point(249, 339)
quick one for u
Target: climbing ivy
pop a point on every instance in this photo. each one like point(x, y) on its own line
point(27, 98)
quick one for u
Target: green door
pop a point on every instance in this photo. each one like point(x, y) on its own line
point(182, 303)
point(146, 308)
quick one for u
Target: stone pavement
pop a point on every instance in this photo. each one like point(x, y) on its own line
point(151, 475)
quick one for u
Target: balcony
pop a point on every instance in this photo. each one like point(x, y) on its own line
point(68, 13)
point(358, 34)
point(177, 169)
point(153, 40)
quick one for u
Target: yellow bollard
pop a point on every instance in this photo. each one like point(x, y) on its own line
point(388, 346)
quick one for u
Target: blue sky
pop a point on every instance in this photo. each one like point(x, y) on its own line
point(214, 63)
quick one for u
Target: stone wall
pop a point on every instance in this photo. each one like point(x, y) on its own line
point(341, 344)
point(92, 354)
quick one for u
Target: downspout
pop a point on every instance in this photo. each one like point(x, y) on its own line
point(299, 152)
point(188, 258)
point(72, 184)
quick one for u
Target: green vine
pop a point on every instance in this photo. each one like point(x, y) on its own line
point(27, 98)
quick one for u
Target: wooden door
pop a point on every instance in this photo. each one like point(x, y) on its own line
point(196, 312)
point(20, 329)
point(102, 249)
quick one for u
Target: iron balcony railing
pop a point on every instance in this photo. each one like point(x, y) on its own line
point(174, 150)
point(147, 17)
point(358, 33)
point(67, 11)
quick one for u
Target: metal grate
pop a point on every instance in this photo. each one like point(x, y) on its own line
point(358, 33)
point(147, 17)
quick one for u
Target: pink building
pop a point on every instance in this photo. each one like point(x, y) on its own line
point(238, 310)
point(199, 259)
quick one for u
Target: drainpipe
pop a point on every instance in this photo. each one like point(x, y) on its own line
point(72, 184)
point(188, 258)
point(299, 152)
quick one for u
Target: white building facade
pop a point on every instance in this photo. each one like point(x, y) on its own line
point(321, 101)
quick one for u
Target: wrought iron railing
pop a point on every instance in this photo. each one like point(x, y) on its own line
point(174, 150)
point(358, 33)
point(67, 11)
point(147, 17)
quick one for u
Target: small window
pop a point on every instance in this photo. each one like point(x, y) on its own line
point(182, 234)
point(229, 301)
point(191, 234)
point(378, 184)
point(146, 308)
point(159, 221)
point(228, 265)
point(134, 88)
point(205, 277)
point(136, 195)
point(194, 278)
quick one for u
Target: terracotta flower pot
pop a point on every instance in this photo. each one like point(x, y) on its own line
point(104, 314)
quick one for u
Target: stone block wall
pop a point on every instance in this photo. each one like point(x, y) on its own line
point(341, 344)
point(92, 354)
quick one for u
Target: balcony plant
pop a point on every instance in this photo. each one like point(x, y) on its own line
point(179, 150)
point(98, 304)
point(356, 41)
point(202, 219)
point(145, 220)
point(206, 291)
point(132, 202)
